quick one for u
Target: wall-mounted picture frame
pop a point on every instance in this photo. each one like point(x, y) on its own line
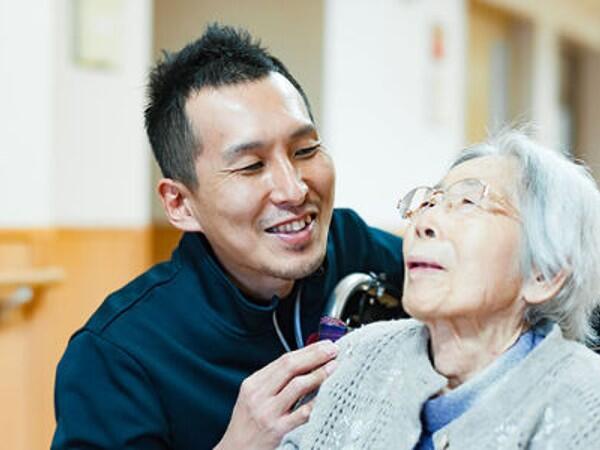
point(98, 32)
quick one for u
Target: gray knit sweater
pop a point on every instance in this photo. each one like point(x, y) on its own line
point(373, 400)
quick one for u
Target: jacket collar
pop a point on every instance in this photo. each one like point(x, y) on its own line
point(235, 310)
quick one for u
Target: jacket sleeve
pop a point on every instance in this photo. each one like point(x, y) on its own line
point(105, 400)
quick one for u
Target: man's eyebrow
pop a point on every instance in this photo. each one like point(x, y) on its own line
point(235, 150)
point(303, 131)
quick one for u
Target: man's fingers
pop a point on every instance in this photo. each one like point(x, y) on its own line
point(297, 417)
point(302, 385)
point(266, 397)
point(274, 377)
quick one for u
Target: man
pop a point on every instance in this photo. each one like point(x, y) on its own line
point(160, 365)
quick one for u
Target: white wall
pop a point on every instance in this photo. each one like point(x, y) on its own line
point(392, 118)
point(102, 159)
point(26, 122)
point(73, 149)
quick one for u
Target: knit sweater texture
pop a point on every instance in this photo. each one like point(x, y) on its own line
point(439, 411)
point(374, 399)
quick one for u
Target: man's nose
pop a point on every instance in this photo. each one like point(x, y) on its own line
point(288, 186)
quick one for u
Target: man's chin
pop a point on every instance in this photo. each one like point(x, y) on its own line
point(296, 270)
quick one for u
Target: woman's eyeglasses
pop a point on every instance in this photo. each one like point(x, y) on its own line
point(462, 196)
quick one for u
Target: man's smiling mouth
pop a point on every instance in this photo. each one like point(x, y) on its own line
point(293, 225)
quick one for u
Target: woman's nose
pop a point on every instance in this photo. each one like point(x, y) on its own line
point(426, 224)
point(426, 232)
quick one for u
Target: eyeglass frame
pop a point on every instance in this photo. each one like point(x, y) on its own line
point(508, 209)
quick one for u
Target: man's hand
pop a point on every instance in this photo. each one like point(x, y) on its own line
point(262, 414)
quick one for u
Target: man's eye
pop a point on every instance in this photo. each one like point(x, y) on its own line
point(306, 152)
point(251, 167)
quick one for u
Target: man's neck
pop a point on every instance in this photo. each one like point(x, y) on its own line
point(263, 292)
point(260, 288)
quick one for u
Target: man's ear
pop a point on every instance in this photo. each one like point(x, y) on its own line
point(176, 201)
point(537, 289)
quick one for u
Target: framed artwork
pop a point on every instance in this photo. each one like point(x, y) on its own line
point(98, 33)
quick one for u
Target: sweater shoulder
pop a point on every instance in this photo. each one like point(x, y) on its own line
point(578, 373)
point(380, 333)
point(571, 415)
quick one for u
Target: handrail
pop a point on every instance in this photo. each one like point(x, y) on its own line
point(23, 283)
point(32, 276)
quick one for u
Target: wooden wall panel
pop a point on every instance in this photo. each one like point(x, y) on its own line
point(96, 262)
point(16, 252)
point(13, 387)
point(164, 241)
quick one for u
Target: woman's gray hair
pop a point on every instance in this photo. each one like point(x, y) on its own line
point(559, 205)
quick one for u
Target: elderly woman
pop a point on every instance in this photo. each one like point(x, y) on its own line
point(502, 273)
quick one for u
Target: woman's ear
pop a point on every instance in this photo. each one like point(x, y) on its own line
point(176, 200)
point(537, 289)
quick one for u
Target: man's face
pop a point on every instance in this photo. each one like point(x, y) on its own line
point(265, 185)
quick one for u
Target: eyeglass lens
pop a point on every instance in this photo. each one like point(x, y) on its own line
point(463, 193)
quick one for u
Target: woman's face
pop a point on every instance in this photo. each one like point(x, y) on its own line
point(463, 262)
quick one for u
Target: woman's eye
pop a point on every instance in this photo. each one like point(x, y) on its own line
point(305, 152)
point(467, 201)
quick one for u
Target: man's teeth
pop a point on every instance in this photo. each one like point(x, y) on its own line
point(292, 227)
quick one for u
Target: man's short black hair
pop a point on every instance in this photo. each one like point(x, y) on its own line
point(221, 56)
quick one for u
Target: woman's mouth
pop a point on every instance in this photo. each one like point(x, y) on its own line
point(423, 265)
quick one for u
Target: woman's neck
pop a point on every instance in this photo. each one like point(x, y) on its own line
point(460, 348)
